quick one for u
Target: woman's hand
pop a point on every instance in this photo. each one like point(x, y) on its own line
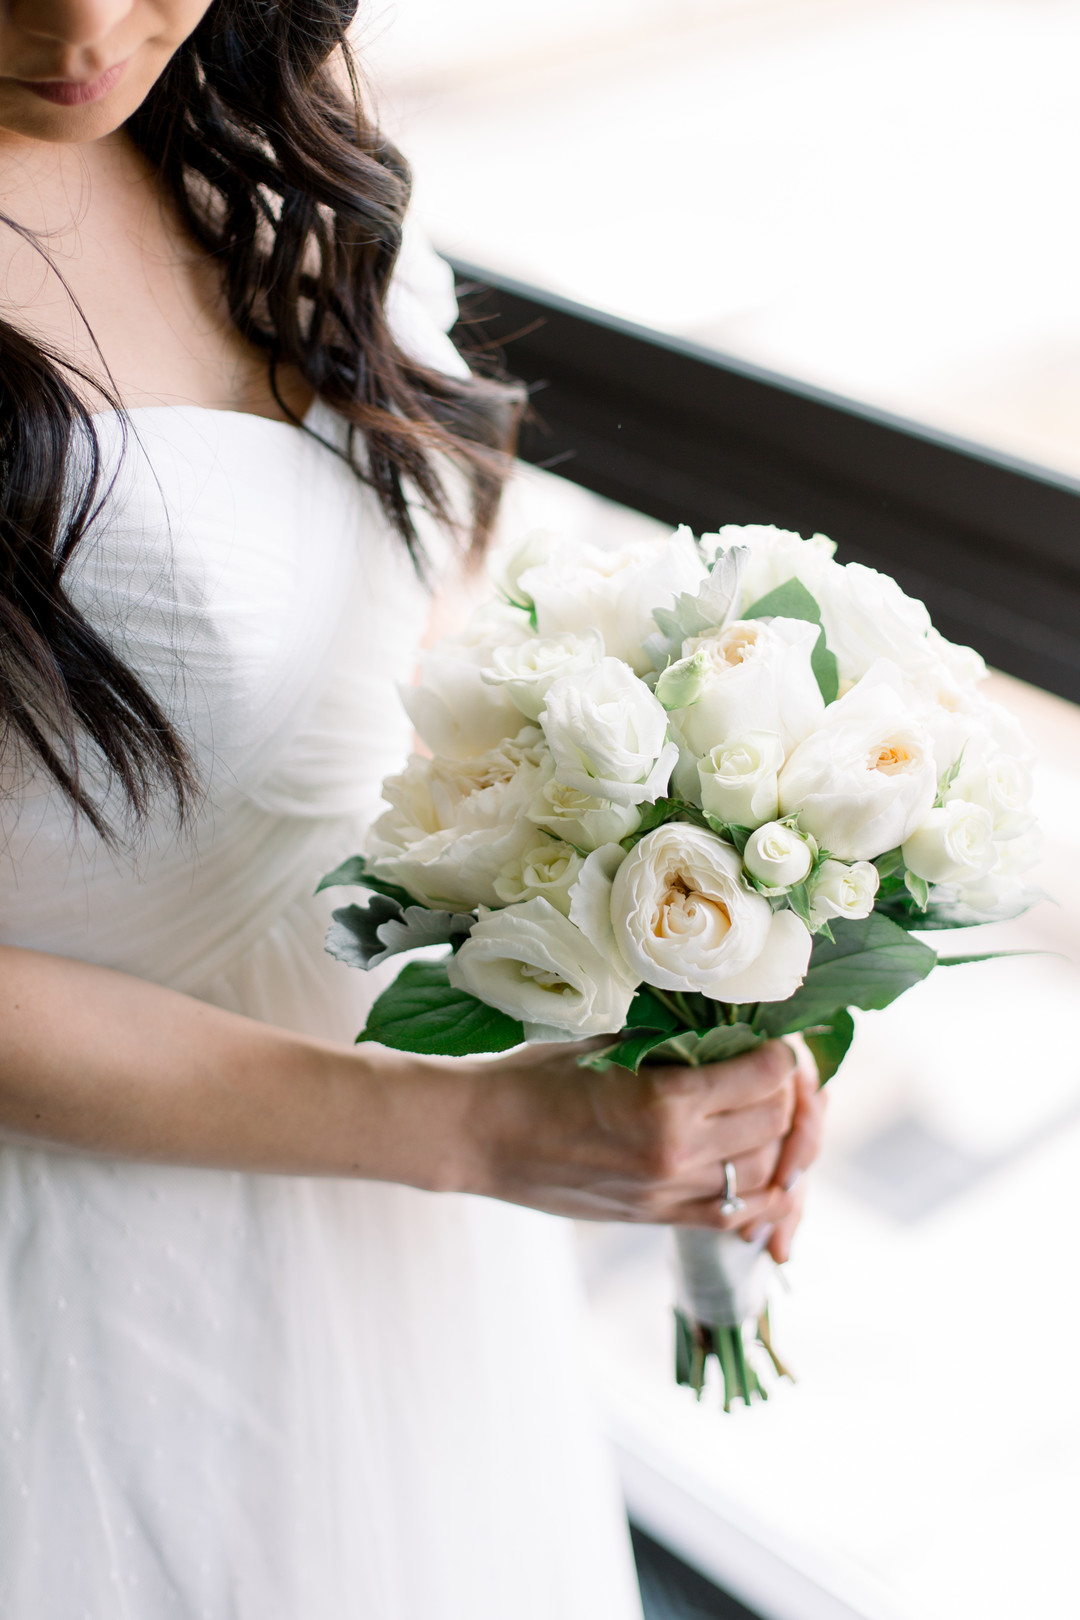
point(647, 1147)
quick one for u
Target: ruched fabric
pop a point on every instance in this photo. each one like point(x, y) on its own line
point(245, 1397)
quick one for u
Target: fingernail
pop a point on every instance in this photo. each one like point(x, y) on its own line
point(793, 1181)
point(761, 1233)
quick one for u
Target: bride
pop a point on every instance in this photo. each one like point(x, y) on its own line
point(289, 1331)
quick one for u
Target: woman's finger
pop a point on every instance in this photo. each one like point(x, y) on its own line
point(739, 1082)
point(803, 1142)
point(725, 1136)
point(784, 1229)
point(768, 1208)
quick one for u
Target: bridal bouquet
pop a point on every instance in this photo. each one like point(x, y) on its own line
point(690, 795)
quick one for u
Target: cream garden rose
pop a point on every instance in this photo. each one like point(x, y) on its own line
point(547, 869)
point(454, 825)
point(683, 919)
point(532, 963)
point(527, 670)
point(580, 818)
point(865, 779)
point(581, 587)
point(454, 710)
point(609, 735)
point(759, 679)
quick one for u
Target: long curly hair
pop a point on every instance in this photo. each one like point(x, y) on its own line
point(290, 188)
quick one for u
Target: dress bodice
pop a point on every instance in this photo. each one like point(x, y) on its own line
point(248, 577)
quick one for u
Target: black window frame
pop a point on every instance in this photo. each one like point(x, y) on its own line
point(685, 434)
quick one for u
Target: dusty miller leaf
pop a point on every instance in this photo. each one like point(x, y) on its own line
point(364, 936)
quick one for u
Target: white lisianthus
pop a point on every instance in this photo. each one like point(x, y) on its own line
point(508, 564)
point(583, 587)
point(844, 893)
point(580, 818)
point(954, 844)
point(608, 735)
point(526, 671)
point(685, 920)
point(532, 963)
point(865, 779)
point(547, 869)
point(778, 857)
point(453, 709)
point(759, 679)
point(776, 555)
point(454, 825)
point(738, 779)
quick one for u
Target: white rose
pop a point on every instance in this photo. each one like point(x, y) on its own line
point(776, 555)
point(954, 844)
point(453, 825)
point(580, 818)
point(532, 963)
point(778, 856)
point(526, 671)
point(1000, 782)
point(760, 679)
point(866, 616)
point(685, 920)
point(1001, 893)
point(583, 587)
point(739, 779)
point(865, 779)
point(952, 711)
point(547, 869)
point(608, 735)
point(965, 666)
point(843, 892)
point(453, 709)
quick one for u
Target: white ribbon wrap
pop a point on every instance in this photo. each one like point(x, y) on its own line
point(720, 1278)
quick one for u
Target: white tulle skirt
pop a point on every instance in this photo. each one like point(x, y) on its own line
point(237, 1397)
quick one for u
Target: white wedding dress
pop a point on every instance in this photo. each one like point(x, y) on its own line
point(252, 1397)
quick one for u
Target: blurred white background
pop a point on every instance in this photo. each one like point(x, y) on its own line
point(876, 196)
point(873, 195)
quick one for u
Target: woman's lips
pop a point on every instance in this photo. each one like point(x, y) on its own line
point(73, 92)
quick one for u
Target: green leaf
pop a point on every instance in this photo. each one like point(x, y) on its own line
point(647, 1011)
point(792, 600)
point(918, 888)
point(829, 1042)
point(949, 778)
point(364, 936)
point(355, 871)
point(654, 815)
point(988, 956)
point(628, 1054)
point(708, 1045)
point(892, 861)
point(867, 964)
point(825, 668)
point(730, 831)
point(422, 1012)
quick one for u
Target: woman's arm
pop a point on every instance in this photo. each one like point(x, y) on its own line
point(104, 1063)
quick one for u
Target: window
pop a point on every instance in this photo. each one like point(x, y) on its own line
point(870, 195)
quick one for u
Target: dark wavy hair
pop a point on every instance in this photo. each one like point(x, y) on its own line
point(299, 200)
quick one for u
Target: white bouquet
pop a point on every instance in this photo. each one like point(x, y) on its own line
point(691, 795)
